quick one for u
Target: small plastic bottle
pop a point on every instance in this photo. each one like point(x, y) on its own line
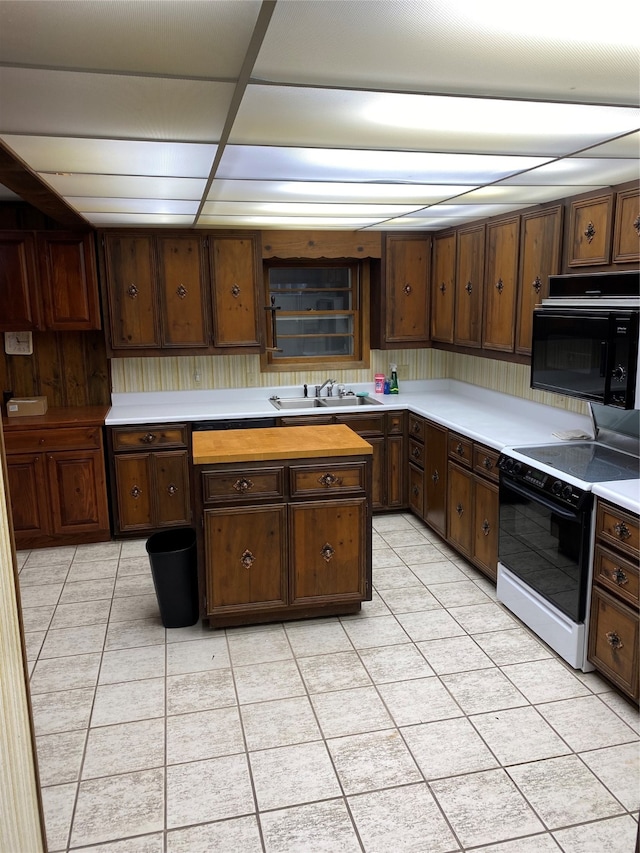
point(379, 383)
point(387, 386)
point(393, 384)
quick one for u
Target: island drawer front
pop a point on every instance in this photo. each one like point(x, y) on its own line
point(242, 485)
point(327, 480)
point(618, 575)
point(154, 435)
point(485, 461)
point(416, 427)
point(461, 449)
point(416, 452)
point(613, 641)
point(69, 438)
point(618, 528)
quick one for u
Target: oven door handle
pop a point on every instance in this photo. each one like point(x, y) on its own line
point(531, 496)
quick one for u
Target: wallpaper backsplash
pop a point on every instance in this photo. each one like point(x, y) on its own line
point(243, 371)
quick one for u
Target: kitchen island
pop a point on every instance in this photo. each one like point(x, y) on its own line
point(283, 518)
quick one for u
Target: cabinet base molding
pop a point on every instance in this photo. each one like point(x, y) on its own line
point(282, 614)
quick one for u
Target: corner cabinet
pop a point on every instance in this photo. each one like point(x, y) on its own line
point(283, 539)
point(180, 293)
point(56, 478)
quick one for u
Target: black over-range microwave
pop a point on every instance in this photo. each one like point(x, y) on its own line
point(585, 339)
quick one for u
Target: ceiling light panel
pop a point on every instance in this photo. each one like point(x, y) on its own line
point(63, 103)
point(147, 36)
point(125, 186)
point(277, 115)
point(324, 164)
point(497, 48)
point(301, 208)
point(139, 220)
point(345, 223)
point(626, 147)
point(112, 156)
point(421, 194)
point(472, 211)
point(518, 194)
point(580, 171)
point(87, 205)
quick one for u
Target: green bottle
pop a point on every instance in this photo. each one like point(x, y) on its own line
point(393, 385)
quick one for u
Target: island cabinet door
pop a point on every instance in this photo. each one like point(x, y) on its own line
point(328, 550)
point(246, 565)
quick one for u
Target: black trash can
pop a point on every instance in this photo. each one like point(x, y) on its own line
point(172, 554)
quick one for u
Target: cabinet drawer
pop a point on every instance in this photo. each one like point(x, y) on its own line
point(618, 575)
point(72, 438)
point(416, 452)
point(155, 435)
point(485, 462)
point(613, 641)
point(618, 528)
point(461, 449)
point(363, 424)
point(242, 484)
point(416, 427)
point(395, 423)
point(329, 480)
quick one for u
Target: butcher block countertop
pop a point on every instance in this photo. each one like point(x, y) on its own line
point(258, 445)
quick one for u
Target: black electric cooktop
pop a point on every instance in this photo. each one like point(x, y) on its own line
point(587, 460)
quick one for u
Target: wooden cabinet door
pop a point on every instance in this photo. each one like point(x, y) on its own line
point(443, 283)
point(327, 551)
point(626, 228)
point(183, 291)
point(19, 302)
point(171, 488)
point(407, 289)
point(435, 477)
point(416, 490)
point(133, 482)
point(485, 527)
point(131, 274)
point(395, 472)
point(460, 509)
point(501, 274)
point(590, 231)
point(613, 641)
point(77, 491)
point(27, 484)
point(235, 291)
point(540, 253)
point(69, 281)
point(246, 550)
point(379, 472)
point(469, 286)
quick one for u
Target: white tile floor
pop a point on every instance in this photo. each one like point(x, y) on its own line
point(431, 722)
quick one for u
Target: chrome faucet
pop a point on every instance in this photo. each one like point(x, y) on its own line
point(330, 383)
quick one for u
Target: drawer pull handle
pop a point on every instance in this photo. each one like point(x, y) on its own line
point(136, 491)
point(487, 463)
point(486, 527)
point(243, 485)
point(435, 476)
point(500, 286)
point(132, 291)
point(416, 491)
point(537, 284)
point(327, 552)
point(443, 288)
point(459, 509)
point(621, 530)
point(247, 559)
point(149, 438)
point(235, 291)
point(590, 232)
point(407, 289)
point(172, 490)
point(619, 576)
point(329, 480)
point(416, 427)
point(416, 452)
point(181, 291)
point(460, 449)
point(614, 640)
point(468, 287)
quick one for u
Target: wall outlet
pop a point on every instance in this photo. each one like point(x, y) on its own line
point(18, 343)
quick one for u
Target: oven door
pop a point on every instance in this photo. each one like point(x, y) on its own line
point(546, 546)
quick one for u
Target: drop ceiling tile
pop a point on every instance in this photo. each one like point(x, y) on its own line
point(139, 220)
point(65, 103)
point(554, 51)
point(157, 37)
point(474, 211)
point(346, 223)
point(628, 146)
point(126, 186)
point(303, 208)
point(517, 194)
point(112, 156)
point(580, 172)
point(331, 164)
point(279, 115)
point(261, 191)
point(162, 206)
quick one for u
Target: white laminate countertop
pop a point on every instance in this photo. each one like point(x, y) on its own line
point(495, 419)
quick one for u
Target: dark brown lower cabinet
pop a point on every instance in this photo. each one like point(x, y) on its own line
point(284, 541)
point(428, 472)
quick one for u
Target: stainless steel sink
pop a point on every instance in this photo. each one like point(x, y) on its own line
point(338, 402)
point(322, 402)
